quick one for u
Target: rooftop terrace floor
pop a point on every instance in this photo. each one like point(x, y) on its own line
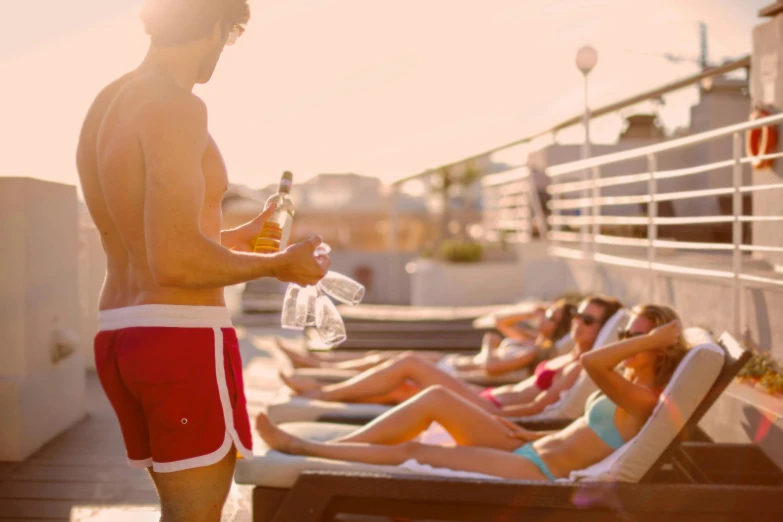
point(82, 474)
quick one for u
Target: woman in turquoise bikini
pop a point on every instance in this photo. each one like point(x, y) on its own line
point(650, 349)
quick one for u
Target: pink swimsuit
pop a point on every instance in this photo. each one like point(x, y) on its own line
point(544, 378)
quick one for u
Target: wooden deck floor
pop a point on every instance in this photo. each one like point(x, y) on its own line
point(82, 475)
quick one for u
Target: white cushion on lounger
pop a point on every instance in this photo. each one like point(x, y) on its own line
point(300, 409)
point(689, 385)
point(272, 469)
point(572, 401)
point(277, 470)
point(325, 374)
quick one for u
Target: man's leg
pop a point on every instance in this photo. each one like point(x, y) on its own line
point(195, 495)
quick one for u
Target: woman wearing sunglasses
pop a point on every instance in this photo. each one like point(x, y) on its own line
point(497, 356)
point(398, 379)
point(650, 350)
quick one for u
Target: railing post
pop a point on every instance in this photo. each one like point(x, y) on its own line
point(583, 213)
point(554, 211)
point(596, 227)
point(394, 245)
point(738, 298)
point(538, 209)
point(652, 225)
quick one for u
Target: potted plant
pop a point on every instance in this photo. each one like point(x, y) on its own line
point(457, 251)
point(762, 372)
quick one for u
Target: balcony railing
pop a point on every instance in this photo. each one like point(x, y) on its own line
point(590, 220)
point(511, 207)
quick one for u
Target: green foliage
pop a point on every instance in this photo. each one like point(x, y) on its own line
point(759, 365)
point(457, 251)
point(762, 368)
point(773, 382)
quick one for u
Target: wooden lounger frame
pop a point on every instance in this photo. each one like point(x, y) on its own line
point(689, 482)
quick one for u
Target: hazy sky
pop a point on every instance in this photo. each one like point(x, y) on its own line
point(368, 86)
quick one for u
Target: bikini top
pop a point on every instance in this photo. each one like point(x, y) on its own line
point(600, 418)
point(544, 376)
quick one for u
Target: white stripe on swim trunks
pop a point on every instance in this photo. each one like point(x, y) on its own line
point(164, 315)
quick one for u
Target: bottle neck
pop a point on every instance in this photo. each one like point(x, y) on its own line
point(285, 187)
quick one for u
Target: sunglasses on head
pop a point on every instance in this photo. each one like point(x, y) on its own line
point(587, 320)
point(626, 334)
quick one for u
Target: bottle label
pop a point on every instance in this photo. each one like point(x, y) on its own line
point(269, 239)
point(286, 234)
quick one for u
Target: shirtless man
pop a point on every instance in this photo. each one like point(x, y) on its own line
point(153, 180)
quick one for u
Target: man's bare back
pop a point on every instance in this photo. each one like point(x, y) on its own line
point(153, 180)
point(112, 172)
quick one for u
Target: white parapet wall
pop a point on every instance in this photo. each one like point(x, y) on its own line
point(534, 274)
point(437, 283)
point(92, 272)
point(41, 369)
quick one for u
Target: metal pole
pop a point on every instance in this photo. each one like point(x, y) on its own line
point(596, 228)
point(652, 225)
point(738, 301)
point(393, 244)
point(586, 150)
point(587, 147)
point(555, 213)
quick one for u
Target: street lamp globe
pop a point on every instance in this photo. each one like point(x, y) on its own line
point(586, 59)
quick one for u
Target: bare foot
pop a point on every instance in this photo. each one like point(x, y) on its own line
point(304, 386)
point(276, 438)
point(298, 359)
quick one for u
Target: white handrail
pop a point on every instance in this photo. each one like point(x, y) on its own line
point(628, 179)
point(641, 152)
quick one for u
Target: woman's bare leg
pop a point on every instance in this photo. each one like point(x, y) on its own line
point(390, 375)
point(466, 422)
point(500, 463)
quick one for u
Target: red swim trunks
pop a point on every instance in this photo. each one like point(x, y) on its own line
point(174, 377)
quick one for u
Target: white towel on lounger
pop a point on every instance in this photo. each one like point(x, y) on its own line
point(436, 435)
point(414, 465)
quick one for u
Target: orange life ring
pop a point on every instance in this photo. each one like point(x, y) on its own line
point(760, 141)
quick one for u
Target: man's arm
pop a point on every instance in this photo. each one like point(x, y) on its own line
point(173, 136)
point(241, 238)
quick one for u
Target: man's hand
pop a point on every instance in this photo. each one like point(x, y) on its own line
point(299, 264)
point(241, 239)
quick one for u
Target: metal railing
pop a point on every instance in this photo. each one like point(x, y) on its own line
point(652, 94)
point(585, 205)
point(511, 207)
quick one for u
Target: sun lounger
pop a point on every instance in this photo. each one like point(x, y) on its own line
point(479, 377)
point(401, 341)
point(440, 328)
point(625, 486)
point(570, 405)
point(377, 314)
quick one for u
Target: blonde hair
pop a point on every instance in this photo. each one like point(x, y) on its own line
point(671, 357)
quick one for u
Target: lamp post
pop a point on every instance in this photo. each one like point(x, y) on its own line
point(586, 59)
